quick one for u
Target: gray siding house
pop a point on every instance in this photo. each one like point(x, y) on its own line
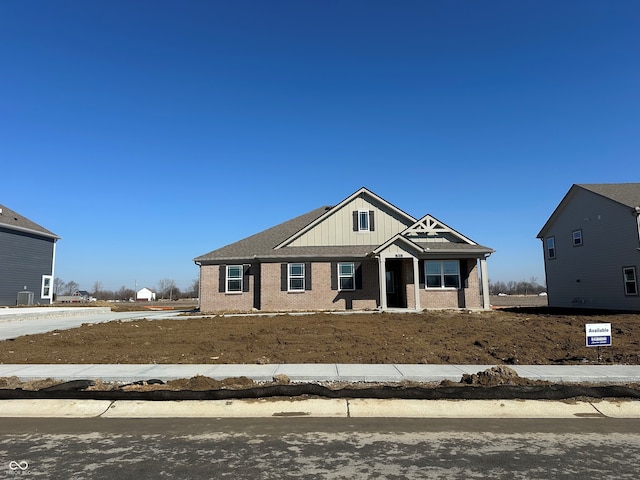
point(363, 253)
point(27, 259)
point(591, 247)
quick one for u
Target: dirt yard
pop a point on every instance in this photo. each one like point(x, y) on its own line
point(526, 335)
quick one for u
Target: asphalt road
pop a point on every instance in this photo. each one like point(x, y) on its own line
point(320, 449)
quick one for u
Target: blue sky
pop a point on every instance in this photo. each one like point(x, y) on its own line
point(147, 133)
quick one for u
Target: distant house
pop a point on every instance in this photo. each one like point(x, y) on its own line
point(591, 247)
point(27, 260)
point(145, 295)
point(363, 253)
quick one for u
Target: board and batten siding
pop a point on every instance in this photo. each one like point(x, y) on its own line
point(590, 275)
point(337, 228)
point(24, 259)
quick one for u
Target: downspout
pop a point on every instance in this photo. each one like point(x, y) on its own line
point(53, 271)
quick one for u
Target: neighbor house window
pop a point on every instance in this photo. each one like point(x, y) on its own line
point(234, 278)
point(551, 247)
point(47, 284)
point(296, 277)
point(577, 238)
point(346, 276)
point(630, 281)
point(442, 274)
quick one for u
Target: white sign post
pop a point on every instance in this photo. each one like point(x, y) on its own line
point(598, 335)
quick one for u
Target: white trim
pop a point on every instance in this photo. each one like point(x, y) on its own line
point(227, 278)
point(290, 277)
point(332, 210)
point(431, 225)
point(50, 286)
point(352, 276)
point(485, 284)
point(361, 215)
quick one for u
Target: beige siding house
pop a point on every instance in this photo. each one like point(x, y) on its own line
point(591, 247)
point(361, 254)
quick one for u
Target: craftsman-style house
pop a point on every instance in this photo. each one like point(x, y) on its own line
point(591, 247)
point(362, 254)
point(27, 259)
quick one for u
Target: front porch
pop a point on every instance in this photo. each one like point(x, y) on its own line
point(403, 284)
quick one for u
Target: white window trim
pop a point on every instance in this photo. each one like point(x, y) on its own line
point(228, 277)
point(50, 286)
point(442, 275)
point(290, 277)
point(364, 214)
point(352, 277)
point(635, 280)
point(548, 249)
point(578, 237)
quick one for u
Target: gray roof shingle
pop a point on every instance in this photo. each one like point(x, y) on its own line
point(13, 220)
point(262, 244)
point(625, 193)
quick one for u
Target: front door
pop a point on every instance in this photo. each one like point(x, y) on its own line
point(395, 284)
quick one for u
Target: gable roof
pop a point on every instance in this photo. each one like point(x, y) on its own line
point(363, 191)
point(14, 221)
point(626, 194)
point(429, 225)
point(263, 243)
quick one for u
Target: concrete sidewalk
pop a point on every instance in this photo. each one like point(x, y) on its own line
point(315, 373)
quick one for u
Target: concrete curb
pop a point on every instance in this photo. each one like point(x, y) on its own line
point(319, 408)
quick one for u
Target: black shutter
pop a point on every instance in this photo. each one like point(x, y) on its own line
point(334, 275)
point(307, 276)
point(358, 267)
point(246, 271)
point(464, 275)
point(372, 223)
point(283, 278)
point(421, 278)
point(222, 279)
point(355, 221)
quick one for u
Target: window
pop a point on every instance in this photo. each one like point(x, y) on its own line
point(234, 278)
point(46, 291)
point(442, 274)
point(296, 277)
point(363, 221)
point(551, 247)
point(577, 238)
point(346, 276)
point(630, 281)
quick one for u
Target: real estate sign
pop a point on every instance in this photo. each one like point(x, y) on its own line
point(598, 334)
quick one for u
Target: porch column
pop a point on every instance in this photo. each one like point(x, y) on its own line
point(416, 283)
point(382, 277)
point(485, 284)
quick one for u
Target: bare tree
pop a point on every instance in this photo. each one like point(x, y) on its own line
point(125, 293)
point(70, 287)
point(58, 286)
point(194, 292)
point(167, 287)
point(97, 289)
